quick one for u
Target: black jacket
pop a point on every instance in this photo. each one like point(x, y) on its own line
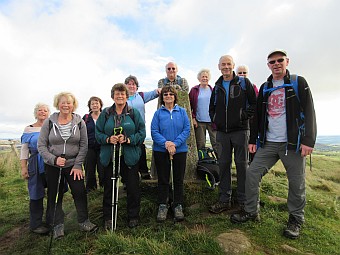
point(293, 110)
point(241, 105)
point(91, 127)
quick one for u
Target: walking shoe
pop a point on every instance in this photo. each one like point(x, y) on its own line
point(88, 226)
point(58, 231)
point(162, 212)
point(292, 230)
point(244, 216)
point(133, 223)
point(220, 207)
point(41, 230)
point(179, 215)
point(108, 224)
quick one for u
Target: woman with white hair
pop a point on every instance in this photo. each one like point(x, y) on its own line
point(199, 101)
point(32, 169)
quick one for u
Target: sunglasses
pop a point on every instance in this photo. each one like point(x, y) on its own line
point(280, 60)
point(168, 94)
point(171, 68)
point(242, 72)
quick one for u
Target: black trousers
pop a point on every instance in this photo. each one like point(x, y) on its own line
point(36, 213)
point(143, 167)
point(163, 166)
point(91, 164)
point(131, 180)
point(77, 189)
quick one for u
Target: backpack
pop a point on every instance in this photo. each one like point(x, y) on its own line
point(142, 95)
point(179, 80)
point(295, 85)
point(207, 167)
point(130, 112)
point(206, 155)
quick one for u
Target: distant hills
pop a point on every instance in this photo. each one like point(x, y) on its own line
point(328, 143)
point(323, 143)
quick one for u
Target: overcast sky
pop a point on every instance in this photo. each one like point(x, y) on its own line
point(85, 47)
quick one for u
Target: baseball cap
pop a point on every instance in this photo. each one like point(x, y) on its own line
point(277, 51)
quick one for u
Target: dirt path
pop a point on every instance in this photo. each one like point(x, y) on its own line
point(11, 238)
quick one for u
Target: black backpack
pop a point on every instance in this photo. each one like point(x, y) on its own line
point(207, 167)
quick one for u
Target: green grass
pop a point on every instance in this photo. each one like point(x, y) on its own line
point(197, 234)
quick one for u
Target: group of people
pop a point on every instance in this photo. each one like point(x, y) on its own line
point(233, 111)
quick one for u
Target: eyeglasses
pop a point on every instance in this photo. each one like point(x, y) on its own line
point(280, 60)
point(171, 68)
point(242, 72)
point(168, 94)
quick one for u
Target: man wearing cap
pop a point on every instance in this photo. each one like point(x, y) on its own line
point(283, 135)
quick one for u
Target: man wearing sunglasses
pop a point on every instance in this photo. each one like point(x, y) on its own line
point(172, 79)
point(283, 135)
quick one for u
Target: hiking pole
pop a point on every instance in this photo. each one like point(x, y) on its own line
point(115, 181)
point(172, 185)
point(55, 204)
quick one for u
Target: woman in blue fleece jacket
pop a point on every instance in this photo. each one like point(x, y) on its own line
point(170, 129)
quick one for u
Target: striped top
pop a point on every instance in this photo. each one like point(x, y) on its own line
point(65, 130)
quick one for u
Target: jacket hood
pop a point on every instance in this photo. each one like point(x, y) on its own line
point(75, 118)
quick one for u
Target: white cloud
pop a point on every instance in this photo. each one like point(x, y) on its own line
point(87, 46)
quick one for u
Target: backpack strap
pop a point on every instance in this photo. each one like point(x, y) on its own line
point(142, 95)
point(295, 85)
point(178, 78)
point(86, 118)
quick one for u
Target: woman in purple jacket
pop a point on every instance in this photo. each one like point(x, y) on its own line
point(199, 101)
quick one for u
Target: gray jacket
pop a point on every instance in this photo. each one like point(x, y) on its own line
point(51, 145)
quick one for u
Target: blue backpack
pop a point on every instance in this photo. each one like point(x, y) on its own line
point(295, 85)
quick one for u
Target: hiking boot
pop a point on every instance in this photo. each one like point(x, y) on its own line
point(220, 207)
point(58, 231)
point(244, 216)
point(88, 226)
point(108, 224)
point(133, 223)
point(162, 212)
point(178, 212)
point(41, 230)
point(292, 230)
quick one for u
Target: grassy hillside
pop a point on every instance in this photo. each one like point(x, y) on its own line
point(197, 234)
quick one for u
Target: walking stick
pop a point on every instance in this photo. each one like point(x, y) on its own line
point(115, 181)
point(55, 204)
point(172, 185)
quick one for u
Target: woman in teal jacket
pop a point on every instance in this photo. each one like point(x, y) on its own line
point(120, 115)
point(170, 130)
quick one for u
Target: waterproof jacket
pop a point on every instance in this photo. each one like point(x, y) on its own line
point(193, 97)
point(51, 145)
point(171, 126)
point(133, 128)
point(241, 105)
point(293, 109)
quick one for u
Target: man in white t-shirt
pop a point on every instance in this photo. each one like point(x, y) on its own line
point(283, 135)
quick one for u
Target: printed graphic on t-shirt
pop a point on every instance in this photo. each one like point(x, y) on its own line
point(276, 103)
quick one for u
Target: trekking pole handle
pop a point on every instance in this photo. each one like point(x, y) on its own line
point(117, 130)
point(63, 155)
